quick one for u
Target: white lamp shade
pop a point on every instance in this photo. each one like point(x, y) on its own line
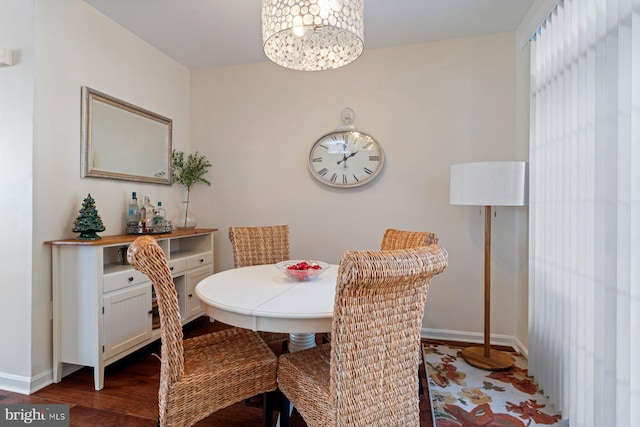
point(489, 184)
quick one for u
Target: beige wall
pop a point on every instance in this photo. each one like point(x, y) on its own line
point(72, 45)
point(16, 156)
point(429, 105)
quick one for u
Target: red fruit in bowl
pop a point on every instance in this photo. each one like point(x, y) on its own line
point(303, 266)
point(303, 270)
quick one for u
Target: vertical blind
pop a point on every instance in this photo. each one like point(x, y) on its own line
point(584, 278)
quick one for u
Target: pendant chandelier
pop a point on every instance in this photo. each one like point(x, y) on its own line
point(313, 35)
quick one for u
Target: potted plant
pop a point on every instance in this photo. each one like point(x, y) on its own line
point(188, 171)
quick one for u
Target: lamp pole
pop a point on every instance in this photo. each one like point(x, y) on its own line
point(487, 281)
point(484, 357)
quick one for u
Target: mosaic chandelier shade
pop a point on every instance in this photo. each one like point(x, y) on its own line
point(313, 35)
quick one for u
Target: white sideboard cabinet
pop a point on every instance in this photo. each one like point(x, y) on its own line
point(103, 309)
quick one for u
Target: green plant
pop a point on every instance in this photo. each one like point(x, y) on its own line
point(188, 172)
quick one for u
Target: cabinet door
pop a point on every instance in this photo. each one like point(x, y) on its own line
point(193, 278)
point(127, 318)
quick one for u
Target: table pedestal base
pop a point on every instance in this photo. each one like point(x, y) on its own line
point(300, 341)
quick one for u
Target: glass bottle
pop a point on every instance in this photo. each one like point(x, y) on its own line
point(161, 213)
point(159, 219)
point(146, 213)
point(133, 213)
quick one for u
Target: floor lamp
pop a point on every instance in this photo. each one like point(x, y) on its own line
point(488, 184)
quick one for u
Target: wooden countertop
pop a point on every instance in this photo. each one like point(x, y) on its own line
point(128, 238)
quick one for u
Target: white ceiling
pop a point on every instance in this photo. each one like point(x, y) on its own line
point(204, 33)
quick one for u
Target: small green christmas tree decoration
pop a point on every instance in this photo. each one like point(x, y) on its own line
point(89, 221)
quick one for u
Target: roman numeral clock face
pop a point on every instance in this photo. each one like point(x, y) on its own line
point(345, 159)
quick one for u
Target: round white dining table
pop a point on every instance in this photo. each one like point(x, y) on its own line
point(263, 298)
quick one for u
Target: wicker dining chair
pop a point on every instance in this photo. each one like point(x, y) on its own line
point(401, 239)
point(201, 375)
point(367, 375)
point(258, 246)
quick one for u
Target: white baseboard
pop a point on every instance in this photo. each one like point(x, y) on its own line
point(41, 380)
point(473, 337)
point(517, 345)
point(25, 385)
point(15, 383)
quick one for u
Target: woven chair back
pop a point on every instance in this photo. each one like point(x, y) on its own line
point(379, 304)
point(259, 245)
point(146, 256)
point(400, 239)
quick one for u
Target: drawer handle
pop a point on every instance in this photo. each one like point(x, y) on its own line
point(171, 268)
point(201, 259)
point(130, 279)
point(190, 295)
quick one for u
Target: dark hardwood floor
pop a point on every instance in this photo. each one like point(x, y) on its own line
point(129, 396)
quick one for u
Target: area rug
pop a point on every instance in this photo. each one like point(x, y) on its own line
point(462, 395)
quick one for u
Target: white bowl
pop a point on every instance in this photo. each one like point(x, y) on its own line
point(302, 275)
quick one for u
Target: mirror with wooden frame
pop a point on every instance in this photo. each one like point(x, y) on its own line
point(123, 141)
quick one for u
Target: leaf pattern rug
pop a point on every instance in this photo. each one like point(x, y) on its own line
point(465, 396)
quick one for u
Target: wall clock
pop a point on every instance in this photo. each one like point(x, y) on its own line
point(345, 157)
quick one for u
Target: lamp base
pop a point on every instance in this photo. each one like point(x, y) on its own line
point(497, 360)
